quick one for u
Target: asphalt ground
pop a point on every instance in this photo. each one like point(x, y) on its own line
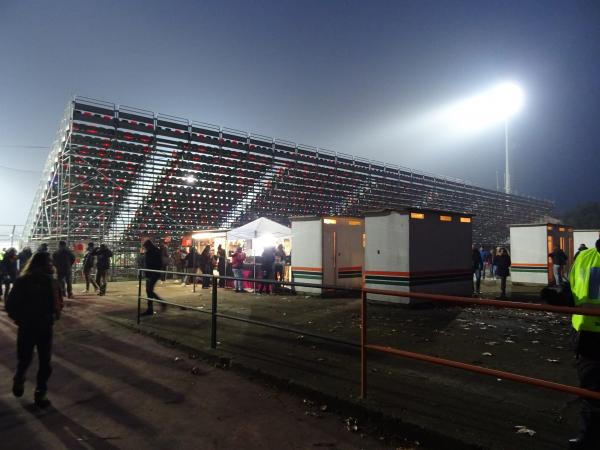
point(117, 389)
point(437, 406)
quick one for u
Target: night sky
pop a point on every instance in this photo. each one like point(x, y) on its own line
point(354, 77)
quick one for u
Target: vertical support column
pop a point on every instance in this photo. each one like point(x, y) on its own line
point(213, 313)
point(363, 343)
point(139, 302)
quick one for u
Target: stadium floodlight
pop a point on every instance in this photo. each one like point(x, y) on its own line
point(495, 106)
point(489, 108)
point(190, 179)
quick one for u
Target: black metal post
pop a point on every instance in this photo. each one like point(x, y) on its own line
point(139, 305)
point(213, 323)
point(363, 343)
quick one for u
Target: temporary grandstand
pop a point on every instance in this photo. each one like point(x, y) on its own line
point(118, 174)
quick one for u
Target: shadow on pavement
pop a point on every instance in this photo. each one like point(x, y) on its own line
point(69, 433)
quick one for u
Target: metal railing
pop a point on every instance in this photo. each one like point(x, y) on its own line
point(214, 303)
point(364, 344)
point(457, 364)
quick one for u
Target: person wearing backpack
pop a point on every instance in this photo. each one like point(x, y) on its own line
point(34, 303)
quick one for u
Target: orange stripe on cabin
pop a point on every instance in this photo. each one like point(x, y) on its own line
point(378, 272)
point(307, 269)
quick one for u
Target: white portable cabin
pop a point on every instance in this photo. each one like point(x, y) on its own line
point(327, 250)
point(587, 237)
point(418, 251)
point(530, 245)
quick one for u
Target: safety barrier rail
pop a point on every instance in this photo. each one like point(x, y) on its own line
point(364, 344)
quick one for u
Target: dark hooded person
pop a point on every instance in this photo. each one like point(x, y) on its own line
point(103, 255)
point(88, 266)
point(63, 260)
point(34, 304)
point(8, 270)
point(152, 261)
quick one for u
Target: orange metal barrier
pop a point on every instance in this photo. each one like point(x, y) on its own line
point(364, 345)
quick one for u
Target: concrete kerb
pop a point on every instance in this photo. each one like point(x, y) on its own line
point(372, 421)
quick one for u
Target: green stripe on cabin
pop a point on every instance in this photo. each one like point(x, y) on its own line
point(530, 269)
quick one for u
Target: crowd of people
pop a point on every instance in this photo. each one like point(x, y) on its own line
point(200, 266)
point(215, 261)
point(63, 260)
point(495, 263)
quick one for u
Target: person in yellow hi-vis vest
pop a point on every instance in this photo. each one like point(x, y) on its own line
point(585, 286)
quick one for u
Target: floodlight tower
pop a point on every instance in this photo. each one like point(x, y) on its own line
point(507, 99)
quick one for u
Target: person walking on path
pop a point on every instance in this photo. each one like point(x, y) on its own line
point(103, 255)
point(237, 264)
point(266, 267)
point(152, 260)
point(477, 266)
point(8, 271)
point(88, 265)
point(503, 263)
point(24, 256)
point(585, 287)
point(63, 260)
point(34, 304)
point(222, 260)
point(206, 266)
point(559, 260)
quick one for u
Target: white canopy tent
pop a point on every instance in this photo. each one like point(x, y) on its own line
point(262, 232)
point(259, 228)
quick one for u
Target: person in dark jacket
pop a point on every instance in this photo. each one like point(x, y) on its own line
point(266, 267)
point(477, 266)
point(8, 270)
point(103, 255)
point(222, 259)
point(152, 261)
point(34, 303)
point(206, 266)
point(63, 260)
point(191, 265)
point(164, 252)
point(503, 263)
point(279, 266)
point(88, 266)
point(24, 256)
point(43, 248)
point(559, 260)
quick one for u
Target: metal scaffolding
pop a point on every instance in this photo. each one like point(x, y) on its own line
point(117, 174)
